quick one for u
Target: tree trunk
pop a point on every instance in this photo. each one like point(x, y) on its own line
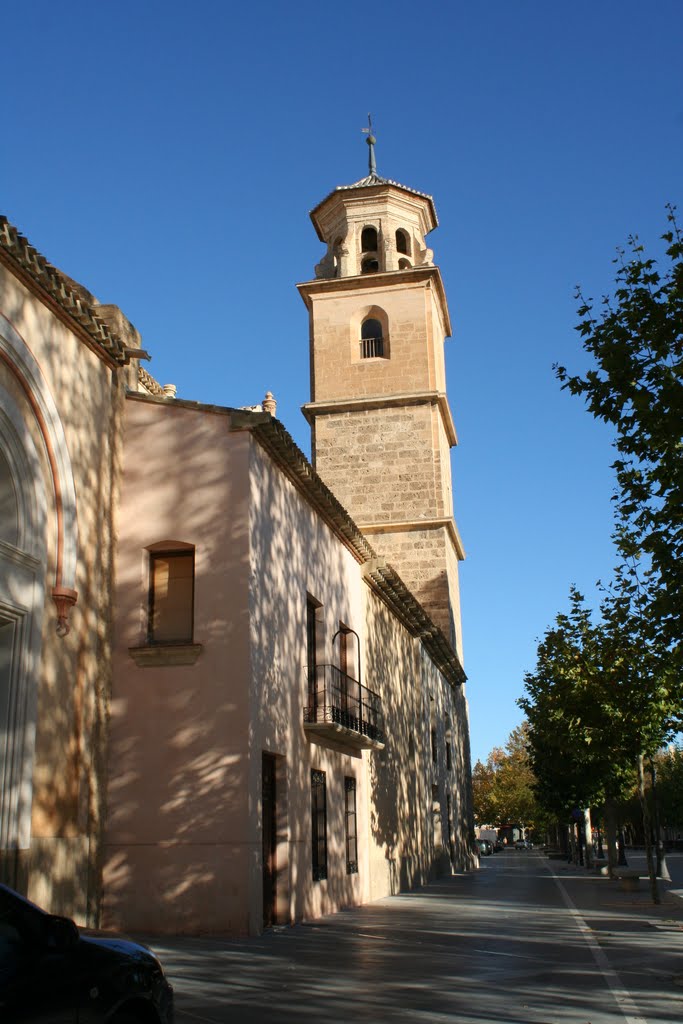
point(662, 867)
point(587, 837)
point(654, 889)
point(611, 829)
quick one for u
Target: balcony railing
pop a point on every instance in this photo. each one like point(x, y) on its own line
point(371, 348)
point(338, 704)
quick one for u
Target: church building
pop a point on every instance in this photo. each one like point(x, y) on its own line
point(232, 683)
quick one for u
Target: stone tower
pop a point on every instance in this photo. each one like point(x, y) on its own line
point(381, 425)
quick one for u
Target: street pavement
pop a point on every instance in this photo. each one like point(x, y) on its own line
point(524, 940)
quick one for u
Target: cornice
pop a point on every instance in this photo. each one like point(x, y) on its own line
point(313, 409)
point(272, 436)
point(366, 284)
point(396, 595)
point(404, 525)
point(368, 189)
point(57, 292)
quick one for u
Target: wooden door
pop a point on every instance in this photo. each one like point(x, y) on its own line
point(268, 797)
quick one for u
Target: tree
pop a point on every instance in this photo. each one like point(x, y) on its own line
point(669, 767)
point(601, 700)
point(636, 340)
point(503, 788)
point(567, 707)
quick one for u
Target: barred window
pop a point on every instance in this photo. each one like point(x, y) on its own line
point(350, 819)
point(319, 824)
point(371, 340)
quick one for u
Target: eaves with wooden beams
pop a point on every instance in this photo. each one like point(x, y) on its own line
point(272, 436)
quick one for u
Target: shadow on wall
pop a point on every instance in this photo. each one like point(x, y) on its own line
point(73, 676)
point(178, 770)
point(295, 554)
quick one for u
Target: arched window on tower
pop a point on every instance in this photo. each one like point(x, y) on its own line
point(336, 256)
point(403, 242)
point(368, 240)
point(404, 264)
point(371, 340)
point(369, 266)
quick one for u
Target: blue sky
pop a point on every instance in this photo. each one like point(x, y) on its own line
point(166, 155)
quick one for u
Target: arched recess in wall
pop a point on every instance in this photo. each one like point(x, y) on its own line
point(21, 364)
point(23, 557)
point(370, 322)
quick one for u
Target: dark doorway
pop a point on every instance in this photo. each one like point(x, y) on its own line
point(269, 843)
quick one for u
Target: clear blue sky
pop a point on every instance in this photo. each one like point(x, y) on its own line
point(166, 155)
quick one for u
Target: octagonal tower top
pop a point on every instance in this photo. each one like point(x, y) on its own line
point(373, 225)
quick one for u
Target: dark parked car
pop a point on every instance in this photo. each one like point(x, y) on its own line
point(485, 847)
point(52, 972)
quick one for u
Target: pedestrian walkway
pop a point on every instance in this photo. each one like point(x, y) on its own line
point(524, 940)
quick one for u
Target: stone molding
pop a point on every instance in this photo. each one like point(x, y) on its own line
point(272, 436)
point(369, 284)
point(153, 655)
point(406, 525)
point(61, 295)
point(313, 409)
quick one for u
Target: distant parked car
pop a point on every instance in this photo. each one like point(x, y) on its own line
point(485, 847)
point(51, 970)
point(520, 844)
point(498, 846)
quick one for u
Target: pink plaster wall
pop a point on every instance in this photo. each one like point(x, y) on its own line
point(176, 840)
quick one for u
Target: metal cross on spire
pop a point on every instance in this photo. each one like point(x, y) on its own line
point(371, 140)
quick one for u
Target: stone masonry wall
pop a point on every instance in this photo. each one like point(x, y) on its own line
point(409, 362)
point(382, 464)
point(420, 558)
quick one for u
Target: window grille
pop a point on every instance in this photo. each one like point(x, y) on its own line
point(319, 824)
point(371, 340)
point(350, 819)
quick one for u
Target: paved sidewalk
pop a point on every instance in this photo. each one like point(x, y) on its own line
point(524, 940)
point(641, 943)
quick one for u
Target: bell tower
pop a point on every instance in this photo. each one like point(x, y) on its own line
point(381, 425)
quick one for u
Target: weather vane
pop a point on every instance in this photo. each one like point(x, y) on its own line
point(371, 140)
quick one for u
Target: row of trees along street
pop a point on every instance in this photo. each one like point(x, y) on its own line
point(606, 694)
point(507, 792)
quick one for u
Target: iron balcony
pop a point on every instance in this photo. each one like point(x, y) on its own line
point(340, 708)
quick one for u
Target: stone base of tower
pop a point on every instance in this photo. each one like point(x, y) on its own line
point(427, 562)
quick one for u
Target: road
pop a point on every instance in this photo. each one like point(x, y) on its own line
point(524, 940)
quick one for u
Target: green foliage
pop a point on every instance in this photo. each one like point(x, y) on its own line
point(605, 693)
point(601, 694)
point(636, 340)
point(503, 788)
point(669, 768)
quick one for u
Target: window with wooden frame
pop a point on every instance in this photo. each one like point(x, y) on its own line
point(171, 597)
point(319, 825)
point(350, 825)
point(314, 623)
